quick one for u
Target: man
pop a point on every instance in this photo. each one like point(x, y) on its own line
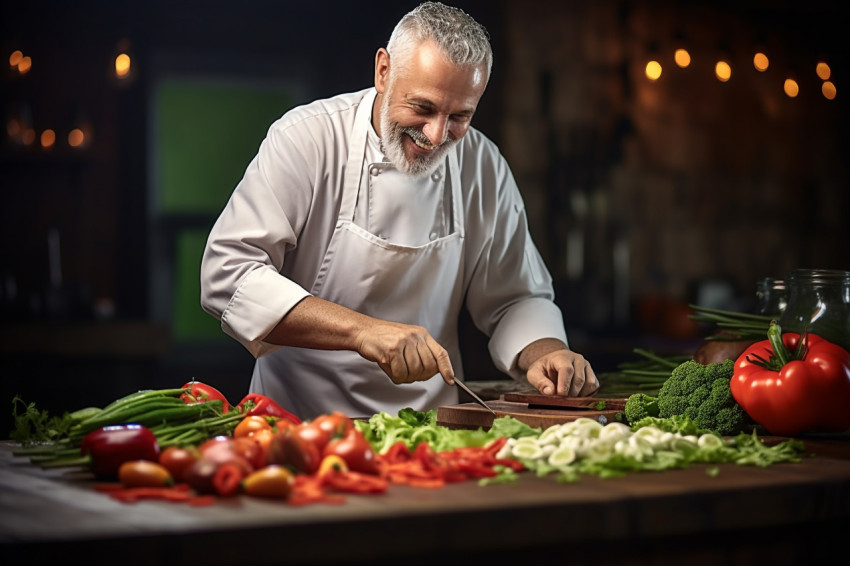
point(367, 221)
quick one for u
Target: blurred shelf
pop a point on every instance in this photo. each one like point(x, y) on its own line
point(85, 339)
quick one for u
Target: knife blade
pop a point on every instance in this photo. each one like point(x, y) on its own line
point(472, 394)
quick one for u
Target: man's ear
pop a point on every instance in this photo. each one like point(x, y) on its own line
point(382, 70)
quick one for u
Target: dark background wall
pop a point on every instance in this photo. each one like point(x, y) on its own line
point(641, 194)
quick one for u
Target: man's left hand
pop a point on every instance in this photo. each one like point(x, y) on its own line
point(562, 372)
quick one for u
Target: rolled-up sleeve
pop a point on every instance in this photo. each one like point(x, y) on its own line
point(241, 283)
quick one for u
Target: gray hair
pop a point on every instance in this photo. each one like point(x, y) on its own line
point(460, 38)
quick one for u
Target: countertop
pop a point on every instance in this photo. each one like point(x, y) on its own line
point(790, 513)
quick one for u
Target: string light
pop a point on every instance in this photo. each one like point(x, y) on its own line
point(723, 71)
point(682, 58)
point(791, 88)
point(653, 70)
point(761, 62)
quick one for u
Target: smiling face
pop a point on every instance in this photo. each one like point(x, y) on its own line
point(424, 106)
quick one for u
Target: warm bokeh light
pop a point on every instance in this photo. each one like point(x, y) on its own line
point(24, 65)
point(761, 62)
point(48, 138)
point(682, 57)
point(14, 128)
point(723, 71)
point(792, 89)
point(76, 137)
point(823, 70)
point(15, 58)
point(653, 70)
point(122, 65)
point(28, 137)
point(828, 90)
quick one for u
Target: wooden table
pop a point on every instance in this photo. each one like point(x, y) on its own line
point(785, 514)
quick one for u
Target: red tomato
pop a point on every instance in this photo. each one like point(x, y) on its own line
point(313, 434)
point(251, 424)
point(291, 450)
point(198, 392)
point(177, 460)
point(356, 451)
point(222, 449)
point(250, 449)
point(335, 424)
point(264, 439)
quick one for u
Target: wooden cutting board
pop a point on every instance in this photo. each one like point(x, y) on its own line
point(558, 410)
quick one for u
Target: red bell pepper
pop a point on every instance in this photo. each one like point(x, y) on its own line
point(794, 383)
point(198, 392)
point(257, 404)
point(109, 447)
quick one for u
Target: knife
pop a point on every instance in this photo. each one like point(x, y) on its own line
point(478, 399)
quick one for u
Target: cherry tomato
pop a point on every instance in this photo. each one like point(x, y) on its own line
point(291, 450)
point(312, 433)
point(270, 481)
point(264, 439)
point(250, 424)
point(144, 473)
point(335, 424)
point(250, 449)
point(356, 451)
point(222, 449)
point(177, 460)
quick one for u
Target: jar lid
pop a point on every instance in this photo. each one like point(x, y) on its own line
point(820, 276)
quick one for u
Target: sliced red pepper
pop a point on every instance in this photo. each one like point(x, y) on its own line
point(228, 479)
point(398, 452)
point(354, 482)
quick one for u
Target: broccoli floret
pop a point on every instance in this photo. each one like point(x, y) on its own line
point(721, 412)
point(639, 406)
point(701, 393)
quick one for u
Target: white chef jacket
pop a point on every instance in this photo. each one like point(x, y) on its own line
point(271, 245)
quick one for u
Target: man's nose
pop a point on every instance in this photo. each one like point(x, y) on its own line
point(436, 130)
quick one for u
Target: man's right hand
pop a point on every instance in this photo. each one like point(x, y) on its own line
point(405, 352)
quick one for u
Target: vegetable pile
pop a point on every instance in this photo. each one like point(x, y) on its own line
point(189, 445)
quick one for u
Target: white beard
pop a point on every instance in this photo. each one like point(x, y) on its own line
point(392, 144)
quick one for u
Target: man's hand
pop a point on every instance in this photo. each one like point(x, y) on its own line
point(554, 370)
point(405, 352)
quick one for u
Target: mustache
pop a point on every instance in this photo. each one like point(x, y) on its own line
point(420, 137)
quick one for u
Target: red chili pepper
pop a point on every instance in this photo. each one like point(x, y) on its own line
point(198, 392)
point(791, 384)
point(111, 446)
point(266, 406)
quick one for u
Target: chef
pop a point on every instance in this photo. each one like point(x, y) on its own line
point(363, 226)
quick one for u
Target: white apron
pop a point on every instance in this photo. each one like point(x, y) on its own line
point(418, 284)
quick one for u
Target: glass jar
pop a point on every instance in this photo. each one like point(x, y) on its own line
point(771, 296)
point(819, 300)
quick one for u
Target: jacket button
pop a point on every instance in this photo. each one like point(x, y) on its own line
point(375, 171)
